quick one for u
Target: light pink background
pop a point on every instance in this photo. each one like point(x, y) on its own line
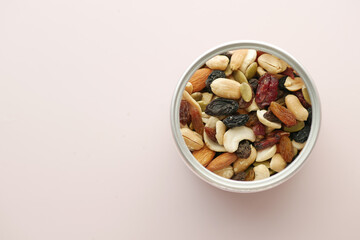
point(86, 150)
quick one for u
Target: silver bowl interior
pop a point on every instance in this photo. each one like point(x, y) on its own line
point(241, 186)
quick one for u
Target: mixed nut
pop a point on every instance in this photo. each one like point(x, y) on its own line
point(245, 115)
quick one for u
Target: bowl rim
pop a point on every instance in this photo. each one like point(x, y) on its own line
point(241, 186)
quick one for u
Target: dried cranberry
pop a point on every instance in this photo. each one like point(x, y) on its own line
point(267, 142)
point(267, 90)
point(301, 98)
point(289, 72)
point(259, 129)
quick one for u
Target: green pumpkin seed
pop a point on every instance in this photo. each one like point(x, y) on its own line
point(299, 125)
point(239, 76)
point(246, 92)
point(197, 96)
point(306, 95)
point(202, 105)
point(251, 70)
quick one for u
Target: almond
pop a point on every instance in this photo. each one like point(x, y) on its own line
point(198, 80)
point(204, 155)
point(222, 161)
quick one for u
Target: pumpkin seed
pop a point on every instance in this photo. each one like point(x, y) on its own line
point(306, 95)
point(246, 92)
point(202, 105)
point(297, 127)
point(239, 76)
point(251, 70)
point(197, 96)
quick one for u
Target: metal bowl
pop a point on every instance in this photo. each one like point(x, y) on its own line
point(242, 186)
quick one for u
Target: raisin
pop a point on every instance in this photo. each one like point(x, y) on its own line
point(236, 120)
point(259, 129)
point(250, 176)
point(221, 107)
point(244, 149)
point(267, 142)
point(289, 72)
point(279, 133)
point(211, 132)
point(309, 119)
point(240, 176)
point(243, 104)
point(282, 82)
point(253, 119)
point(271, 117)
point(301, 98)
point(286, 149)
point(283, 114)
point(196, 120)
point(267, 90)
point(214, 75)
point(184, 112)
point(302, 135)
point(253, 84)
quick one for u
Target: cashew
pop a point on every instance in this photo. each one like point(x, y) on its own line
point(294, 84)
point(260, 115)
point(266, 163)
point(298, 145)
point(220, 131)
point(294, 105)
point(241, 164)
point(189, 87)
point(261, 172)
point(226, 88)
point(206, 97)
point(252, 107)
point(266, 154)
point(249, 59)
point(211, 123)
point(226, 172)
point(271, 63)
point(233, 136)
point(192, 139)
point(219, 62)
point(277, 163)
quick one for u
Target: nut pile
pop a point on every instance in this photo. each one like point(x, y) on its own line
point(245, 115)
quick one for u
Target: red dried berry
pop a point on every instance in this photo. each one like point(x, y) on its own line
point(300, 96)
point(196, 120)
point(259, 129)
point(267, 90)
point(184, 112)
point(267, 142)
point(288, 72)
point(211, 132)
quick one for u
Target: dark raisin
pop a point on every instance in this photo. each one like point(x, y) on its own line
point(253, 119)
point(240, 176)
point(253, 83)
point(267, 90)
point(214, 75)
point(244, 149)
point(282, 82)
point(302, 135)
point(184, 112)
point(221, 107)
point(236, 120)
point(271, 117)
point(309, 119)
